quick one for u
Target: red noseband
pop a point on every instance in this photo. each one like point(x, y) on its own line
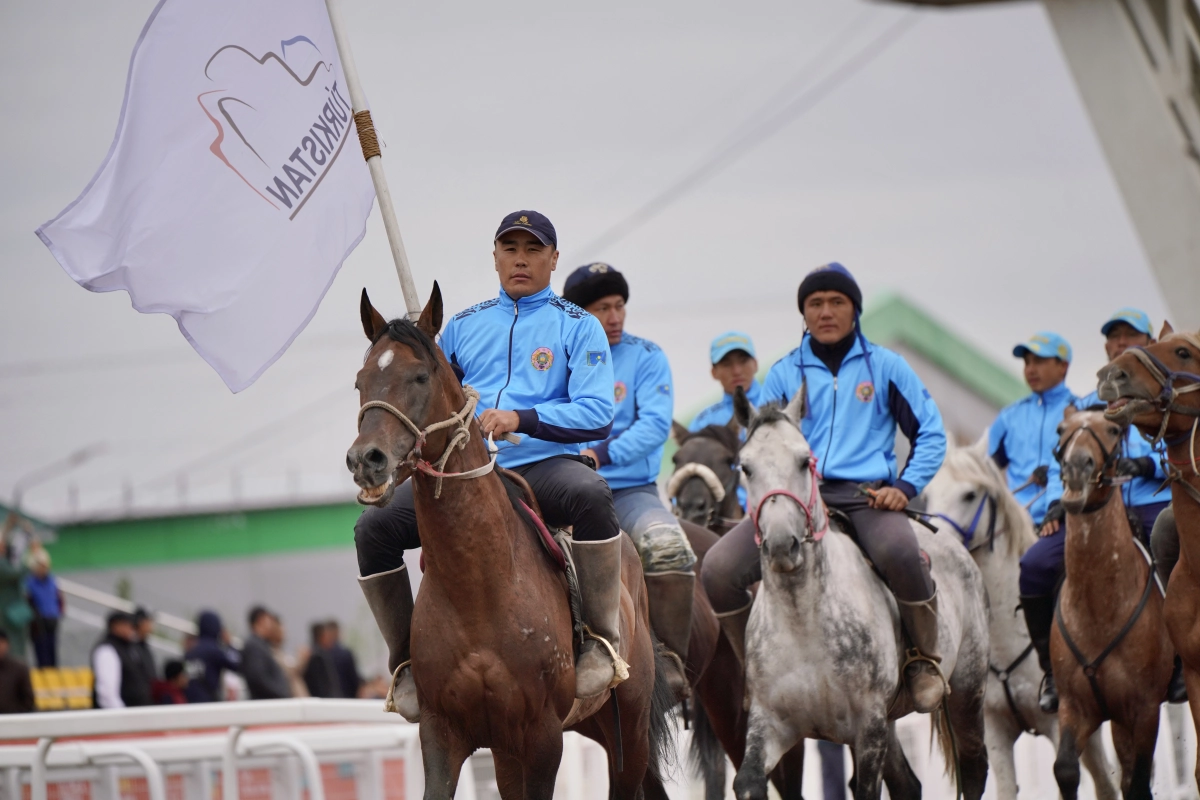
point(809, 508)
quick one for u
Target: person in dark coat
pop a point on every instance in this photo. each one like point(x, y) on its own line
point(143, 627)
point(264, 676)
point(320, 674)
point(171, 690)
point(16, 690)
point(208, 658)
point(343, 661)
point(120, 679)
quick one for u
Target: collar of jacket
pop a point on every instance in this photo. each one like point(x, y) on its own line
point(526, 303)
point(809, 359)
point(1055, 394)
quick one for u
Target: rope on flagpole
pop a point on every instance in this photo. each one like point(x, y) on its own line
point(371, 152)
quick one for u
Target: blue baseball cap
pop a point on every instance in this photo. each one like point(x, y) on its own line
point(1045, 344)
point(531, 221)
point(729, 341)
point(1133, 317)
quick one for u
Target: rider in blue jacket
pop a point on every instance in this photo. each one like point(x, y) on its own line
point(630, 457)
point(1022, 442)
point(858, 394)
point(543, 371)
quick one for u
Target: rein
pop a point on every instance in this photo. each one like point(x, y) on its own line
point(460, 420)
point(811, 534)
point(968, 534)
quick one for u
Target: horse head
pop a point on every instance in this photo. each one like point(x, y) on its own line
point(969, 493)
point(1088, 448)
point(404, 377)
point(1156, 387)
point(705, 472)
point(781, 481)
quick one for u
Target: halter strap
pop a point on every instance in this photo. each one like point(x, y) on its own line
point(1110, 456)
point(968, 534)
point(811, 534)
point(1166, 378)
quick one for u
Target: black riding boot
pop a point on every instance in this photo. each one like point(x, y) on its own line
point(1177, 689)
point(1039, 616)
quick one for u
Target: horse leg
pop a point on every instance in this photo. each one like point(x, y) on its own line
point(964, 710)
point(539, 762)
point(1095, 760)
point(902, 783)
point(510, 776)
point(1072, 731)
point(1134, 744)
point(767, 740)
point(1001, 733)
point(870, 755)
point(442, 755)
point(788, 775)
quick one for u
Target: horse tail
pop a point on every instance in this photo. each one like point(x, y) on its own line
point(706, 757)
point(662, 720)
point(947, 743)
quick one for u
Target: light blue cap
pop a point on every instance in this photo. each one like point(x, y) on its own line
point(1045, 344)
point(1133, 317)
point(729, 341)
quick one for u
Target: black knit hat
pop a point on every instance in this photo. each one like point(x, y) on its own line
point(832, 277)
point(589, 283)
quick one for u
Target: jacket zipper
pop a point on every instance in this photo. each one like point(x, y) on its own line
point(516, 313)
point(832, 421)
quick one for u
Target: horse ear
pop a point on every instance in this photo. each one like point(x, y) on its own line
point(1070, 411)
point(743, 411)
point(733, 425)
point(372, 321)
point(1167, 330)
point(678, 432)
point(798, 407)
point(431, 317)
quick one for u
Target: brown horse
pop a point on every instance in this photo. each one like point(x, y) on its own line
point(1110, 652)
point(704, 489)
point(492, 637)
point(1157, 388)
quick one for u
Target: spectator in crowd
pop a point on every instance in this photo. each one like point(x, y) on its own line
point(171, 690)
point(292, 666)
point(15, 614)
point(343, 661)
point(120, 680)
point(143, 627)
point(16, 691)
point(208, 658)
point(46, 602)
point(264, 676)
point(320, 674)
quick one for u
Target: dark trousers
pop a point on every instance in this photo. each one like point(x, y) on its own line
point(1146, 515)
point(44, 635)
point(886, 537)
point(568, 491)
point(1042, 564)
point(833, 770)
point(1164, 544)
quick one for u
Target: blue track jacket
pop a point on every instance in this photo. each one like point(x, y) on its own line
point(1023, 438)
point(852, 431)
point(720, 412)
point(542, 357)
point(1139, 491)
point(644, 396)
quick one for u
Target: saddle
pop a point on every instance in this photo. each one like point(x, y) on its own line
point(556, 543)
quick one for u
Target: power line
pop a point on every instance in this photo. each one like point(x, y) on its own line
point(726, 154)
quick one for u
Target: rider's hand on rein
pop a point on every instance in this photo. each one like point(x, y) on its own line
point(495, 421)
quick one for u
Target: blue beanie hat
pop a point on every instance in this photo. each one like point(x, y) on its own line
point(832, 277)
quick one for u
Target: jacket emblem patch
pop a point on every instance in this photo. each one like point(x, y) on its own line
point(596, 358)
point(865, 391)
point(542, 358)
point(619, 391)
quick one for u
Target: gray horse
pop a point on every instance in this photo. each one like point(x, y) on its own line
point(824, 644)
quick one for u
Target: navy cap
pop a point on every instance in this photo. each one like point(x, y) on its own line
point(531, 221)
point(1045, 344)
point(1133, 317)
point(589, 283)
point(832, 277)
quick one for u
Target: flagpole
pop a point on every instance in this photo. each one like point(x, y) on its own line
point(370, 145)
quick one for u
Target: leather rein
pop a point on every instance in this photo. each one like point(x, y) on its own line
point(461, 421)
point(811, 533)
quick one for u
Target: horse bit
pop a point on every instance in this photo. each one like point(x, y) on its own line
point(461, 421)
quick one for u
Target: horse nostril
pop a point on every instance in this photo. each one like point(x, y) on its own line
point(794, 550)
point(375, 459)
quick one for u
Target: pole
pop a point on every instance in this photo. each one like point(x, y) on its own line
point(371, 152)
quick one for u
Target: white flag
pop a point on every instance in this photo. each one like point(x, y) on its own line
point(235, 186)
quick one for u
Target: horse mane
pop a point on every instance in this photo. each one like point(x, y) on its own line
point(766, 415)
point(970, 465)
point(721, 434)
point(406, 332)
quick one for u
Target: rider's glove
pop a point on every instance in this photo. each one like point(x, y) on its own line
point(1055, 513)
point(1142, 467)
point(1040, 476)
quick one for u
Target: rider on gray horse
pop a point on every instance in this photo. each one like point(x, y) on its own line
point(543, 370)
point(630, 458)
point(852, 429)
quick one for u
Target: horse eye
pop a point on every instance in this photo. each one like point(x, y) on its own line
point(746, 470)
point(1183, 352)
point(804, 463)
point(421, 378)
point(969, 496)
point(1113, 430)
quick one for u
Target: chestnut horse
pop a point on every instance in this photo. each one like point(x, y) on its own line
point(1109, 649)
point(704, 491)
point(493, 656)
point(1157, 388)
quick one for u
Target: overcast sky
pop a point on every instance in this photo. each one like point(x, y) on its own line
point(958, 168)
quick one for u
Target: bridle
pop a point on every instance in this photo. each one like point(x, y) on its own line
point(1103, 476)
point(968, 534)
point(811, 534)
point(460, 420)
point(1168, 392)
point(716, 488)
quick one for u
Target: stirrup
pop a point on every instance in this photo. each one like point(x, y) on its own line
point(913, 655)
point(672, 656)
point(620, 668)
point(389, 702)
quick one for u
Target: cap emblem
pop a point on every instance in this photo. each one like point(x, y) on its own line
point(598, 267)
point(523, 220)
